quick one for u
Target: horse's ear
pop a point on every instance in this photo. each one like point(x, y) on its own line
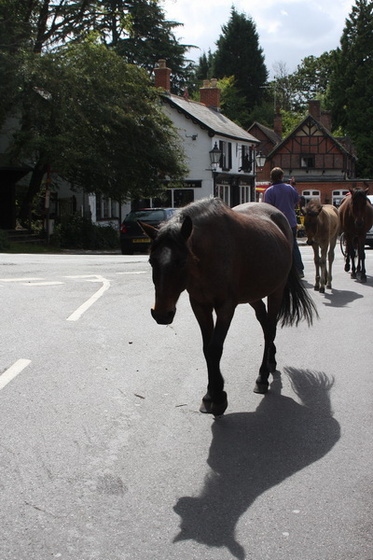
point(149, 230)
point(186, 228)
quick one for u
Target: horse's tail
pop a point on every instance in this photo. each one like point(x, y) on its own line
point(296, 303)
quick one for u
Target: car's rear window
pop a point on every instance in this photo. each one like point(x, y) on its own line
point(148, 215)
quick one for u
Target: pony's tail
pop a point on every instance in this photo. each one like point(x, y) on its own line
point(296, 303)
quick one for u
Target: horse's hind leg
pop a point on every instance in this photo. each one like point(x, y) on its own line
point(268, 364)
point(330, 261)
point(361, 275)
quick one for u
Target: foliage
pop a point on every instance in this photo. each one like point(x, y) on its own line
point(351, 83)
point(4, 241)
point(95, 120)
point(238, 54)
point(233, 104)
point(81, 233)
point(311, 79)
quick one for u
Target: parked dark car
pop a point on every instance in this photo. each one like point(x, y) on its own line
point(132, 237)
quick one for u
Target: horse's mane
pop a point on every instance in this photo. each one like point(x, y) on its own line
point(313, 207)
point(197, 211)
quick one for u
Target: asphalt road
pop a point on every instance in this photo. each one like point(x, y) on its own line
point(104, 455)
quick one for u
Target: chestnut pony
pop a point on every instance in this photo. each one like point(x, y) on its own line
point(224, 257)
point(356, 218)
point(321, 223)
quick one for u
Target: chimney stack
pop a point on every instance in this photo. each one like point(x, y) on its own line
point(314, 109)
point(162, 76)
point(210, 93)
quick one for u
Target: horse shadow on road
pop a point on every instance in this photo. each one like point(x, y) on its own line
point(254, 451)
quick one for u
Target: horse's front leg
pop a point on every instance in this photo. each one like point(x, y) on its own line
point(316, 260)
point(215, 401)
point(268, 364)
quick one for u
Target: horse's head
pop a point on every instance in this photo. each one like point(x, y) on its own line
point(311, 214)
point(359, 203)
point(168, 258)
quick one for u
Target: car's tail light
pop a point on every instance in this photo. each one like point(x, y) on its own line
point(123, 228)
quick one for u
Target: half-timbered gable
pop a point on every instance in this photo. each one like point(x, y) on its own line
point(311, 150)
point(322, 165)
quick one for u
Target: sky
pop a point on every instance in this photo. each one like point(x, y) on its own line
point(289, 30)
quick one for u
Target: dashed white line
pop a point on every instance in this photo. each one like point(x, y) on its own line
point(13, 371)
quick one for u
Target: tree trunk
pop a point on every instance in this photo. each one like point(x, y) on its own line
point(34, 188)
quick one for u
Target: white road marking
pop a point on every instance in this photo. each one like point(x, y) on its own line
point(134, 272)
point(19, 279)
point(83, 308)
point(13, 371)
point(44, 283)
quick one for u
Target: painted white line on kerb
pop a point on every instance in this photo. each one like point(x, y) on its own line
point(13, 371)
point(83, 308)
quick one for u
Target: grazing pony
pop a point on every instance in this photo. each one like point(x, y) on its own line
point(356, 218)
point(224, 257)
point(321, 223)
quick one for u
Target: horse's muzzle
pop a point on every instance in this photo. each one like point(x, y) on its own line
point(163, 318)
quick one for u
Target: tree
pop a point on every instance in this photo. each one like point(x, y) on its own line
point(238, 54)
point(351, 85)
point(96, 121)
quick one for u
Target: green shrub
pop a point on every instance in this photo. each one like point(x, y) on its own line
point(81, 233)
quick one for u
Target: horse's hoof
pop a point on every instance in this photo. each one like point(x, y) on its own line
point(322, 290)
point(353, 275)
point(347, 268)
point(210, 407)
point(316, 288)
point(261, 387)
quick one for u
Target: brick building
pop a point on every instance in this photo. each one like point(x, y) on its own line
point(322, 165)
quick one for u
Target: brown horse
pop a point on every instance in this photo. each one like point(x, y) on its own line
point(321, 223)
point(356, 218)
point(222, 258)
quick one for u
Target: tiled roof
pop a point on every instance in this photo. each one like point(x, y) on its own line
point(209, 118)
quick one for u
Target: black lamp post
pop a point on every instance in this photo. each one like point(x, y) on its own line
point(215, 155)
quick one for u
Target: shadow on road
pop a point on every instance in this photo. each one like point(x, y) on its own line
point(252, 452)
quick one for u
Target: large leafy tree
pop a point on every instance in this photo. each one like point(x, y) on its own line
point(350, 94)
point(238, 54)
point(96, 121)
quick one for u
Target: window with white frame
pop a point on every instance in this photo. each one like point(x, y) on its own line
point(244, 193)
point(310, 194)
point(226, 155)
point(223, 192)
point(338, 196)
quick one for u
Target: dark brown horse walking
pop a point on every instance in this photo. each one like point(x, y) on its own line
point(321, 222)
point(222, 258)
point(356, 218)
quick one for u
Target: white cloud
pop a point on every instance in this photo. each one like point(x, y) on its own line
point(288, 30)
